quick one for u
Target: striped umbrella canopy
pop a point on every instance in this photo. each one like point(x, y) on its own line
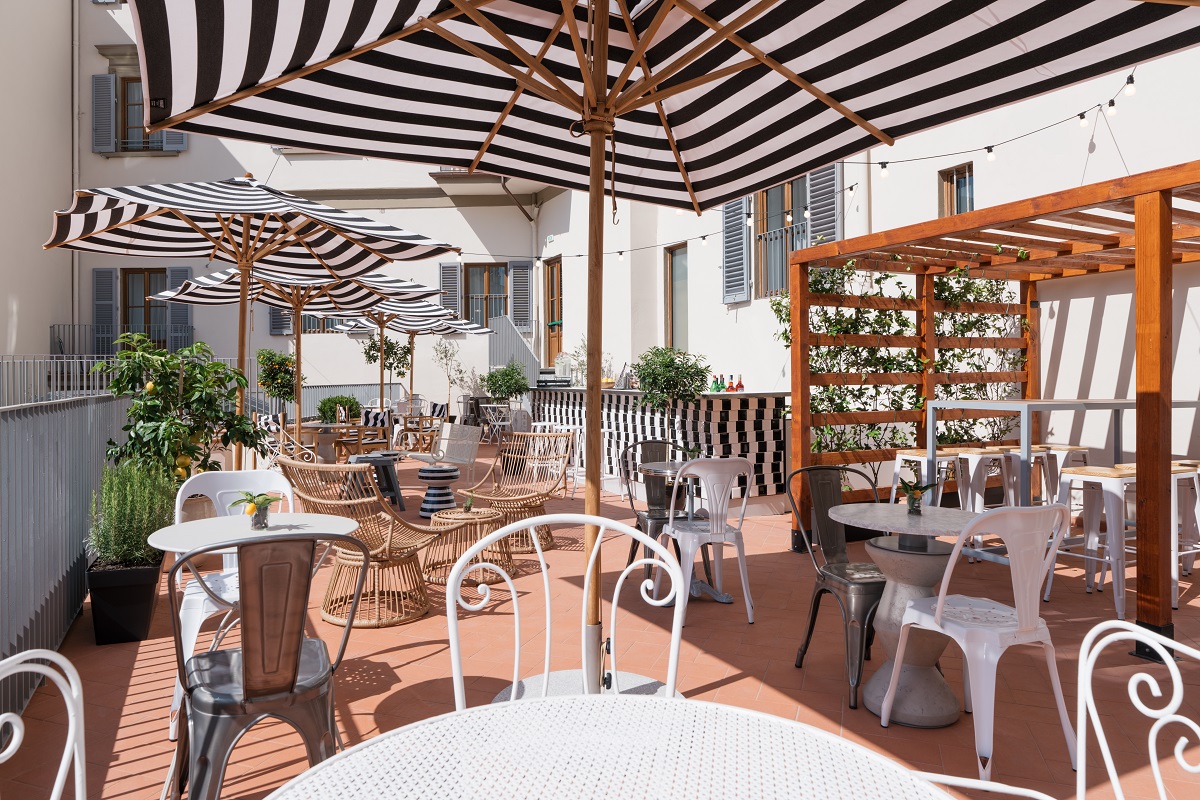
point(316, 295)
point(242, 221)
point(688, 103)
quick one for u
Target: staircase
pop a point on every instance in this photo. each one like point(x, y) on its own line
point(507, 344)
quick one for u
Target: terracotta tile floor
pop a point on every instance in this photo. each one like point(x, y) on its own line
point(397, 675)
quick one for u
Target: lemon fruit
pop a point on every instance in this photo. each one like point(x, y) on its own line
point(250, 508)
point(149, 387)
point(181, 473)
point(183, 460)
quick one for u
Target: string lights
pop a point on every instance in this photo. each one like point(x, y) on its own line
point(1130, 86)
point(991, 153)
point(1083, 120)
point(883, 170)
point(1112, 108)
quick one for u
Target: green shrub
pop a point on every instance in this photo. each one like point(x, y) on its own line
point(327, 408)
point(666, 375)
point(133, 502)
point(507, 382)
point(277, 374)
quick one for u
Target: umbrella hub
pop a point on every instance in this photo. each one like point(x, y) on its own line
point(595, 121)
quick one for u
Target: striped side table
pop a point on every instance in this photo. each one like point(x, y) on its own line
point(438, 496)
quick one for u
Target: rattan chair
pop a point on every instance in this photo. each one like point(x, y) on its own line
point(529, 468)
point(395, 591)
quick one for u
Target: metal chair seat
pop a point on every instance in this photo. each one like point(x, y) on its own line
point(215, 678)
point(854, 575)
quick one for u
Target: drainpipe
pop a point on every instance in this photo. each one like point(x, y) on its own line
point(74, 153)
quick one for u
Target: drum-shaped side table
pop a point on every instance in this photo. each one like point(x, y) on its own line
point(438, 496)
point(443, 554)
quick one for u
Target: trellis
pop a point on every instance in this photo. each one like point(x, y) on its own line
point(1146, 222)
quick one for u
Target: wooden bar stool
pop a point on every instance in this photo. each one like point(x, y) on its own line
point(914, 457)
point(1042, 458)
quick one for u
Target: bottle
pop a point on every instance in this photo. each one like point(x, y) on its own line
point(718, 383)
point(739, 387)
point(729, 388)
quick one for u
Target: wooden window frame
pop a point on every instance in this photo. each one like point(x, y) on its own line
point(947, 194)
point(123, 296)
point(668, 291)
point(465, 309)
point(123, 82)
point(790, 204)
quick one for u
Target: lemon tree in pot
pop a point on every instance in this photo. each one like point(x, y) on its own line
point(669, 379)
point(133, 502)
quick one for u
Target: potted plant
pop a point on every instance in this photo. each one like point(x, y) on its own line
point(133, 502)
point(277, 374)
point(913, 492)
point(327, 408)
point(669, 378)
point(258, 506)
point(507, 382)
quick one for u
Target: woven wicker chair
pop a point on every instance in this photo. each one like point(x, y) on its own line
point(395, 591)
point(529, 468)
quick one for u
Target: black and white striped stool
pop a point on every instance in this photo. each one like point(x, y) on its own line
point(438, 496)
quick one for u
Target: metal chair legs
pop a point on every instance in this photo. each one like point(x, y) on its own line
point(858, 614)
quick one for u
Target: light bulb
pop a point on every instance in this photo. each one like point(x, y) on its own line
point(749, 220)
point(1130, 87)
point(788, 218)
point(679, 212)
point(806, 213)
point(459, 256)
point(883, 171)
point(538, 263)
point(1083, 120)
point(1112, 108)
point(621, 256)
point(991, 154)
point(704, 241)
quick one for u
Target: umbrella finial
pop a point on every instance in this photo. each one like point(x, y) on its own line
point(249, 175)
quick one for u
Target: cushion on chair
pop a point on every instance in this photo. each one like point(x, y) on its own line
point(376, 419)
point(214, 678)
point(439, 410)
point(272, 423)
point(853, 573)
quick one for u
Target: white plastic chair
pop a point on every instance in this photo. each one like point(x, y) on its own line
point(984, 628)
point(217, 593)
point(718, 478)
point(464, 570)
point(66, 680)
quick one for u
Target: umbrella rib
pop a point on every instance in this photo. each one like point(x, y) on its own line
point(779, 68)
point(191, 223)
point(507, 42)
point(640, 47)
point(662, 113)
point(571, 102)
point(115, 225)
point(281, 231)
point(251, 91)
point(289, 236)
point(568, 7)
point(512, 101)
point(321, 261)
point(226, 233)
point(679, 88)
point(626, 99)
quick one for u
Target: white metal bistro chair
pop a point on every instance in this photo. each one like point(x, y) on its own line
point(457, 445)
point(468, 566)
point(718, 478)
point(984, 628)
point(497, 419)
point(217, 592)
point(65, 678)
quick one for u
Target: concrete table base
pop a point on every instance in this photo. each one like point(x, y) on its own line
point(923, 698)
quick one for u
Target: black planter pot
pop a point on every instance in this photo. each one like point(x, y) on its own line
point(123, 602)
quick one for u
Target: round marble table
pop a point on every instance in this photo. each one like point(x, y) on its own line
point(913, 564)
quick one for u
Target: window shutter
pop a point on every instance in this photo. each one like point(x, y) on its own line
point(824, 195)
point(174, 141)
point(104, 310)
point(735, 252)
point(179, 315)
point(104, 113)
point(449, 281)
point(281, 322)
point(520, 296)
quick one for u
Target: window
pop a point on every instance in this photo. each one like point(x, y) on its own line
point(956, 190)
point(138, 313)
point(780, 229)
point(132, 135)
point(677, 296)
point(485, 292)
point(554, 309)
point(310, 323)
point(119, 107)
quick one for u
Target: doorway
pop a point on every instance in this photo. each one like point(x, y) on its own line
point(554, 309)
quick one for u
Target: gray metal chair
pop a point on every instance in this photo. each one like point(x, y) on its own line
point(651, 520)
point(857, 587)
point(276, 672)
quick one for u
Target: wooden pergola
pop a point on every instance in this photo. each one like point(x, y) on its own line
point(1127, 223)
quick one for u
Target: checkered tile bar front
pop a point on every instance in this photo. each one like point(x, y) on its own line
point(749, 425)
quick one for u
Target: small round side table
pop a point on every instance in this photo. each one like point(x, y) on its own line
point(443, 554)
point(438, 496)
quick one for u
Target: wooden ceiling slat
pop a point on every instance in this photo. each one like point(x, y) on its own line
point(1056, 232)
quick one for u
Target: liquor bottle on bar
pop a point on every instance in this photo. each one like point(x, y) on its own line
point(729, 388)
point(718, 383)
point(739, 387)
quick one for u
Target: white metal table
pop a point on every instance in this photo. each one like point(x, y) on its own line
point(1026, 409)
point(913, 563)
point(186, 536)
point(608, 748)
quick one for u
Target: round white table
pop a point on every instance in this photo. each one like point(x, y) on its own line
point(913, 563)
point(187, 536)
point(609, 748)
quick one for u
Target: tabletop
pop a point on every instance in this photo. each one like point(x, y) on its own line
point(610, 747)
point(894, 517)
point(187, 536)
point(1038, 404)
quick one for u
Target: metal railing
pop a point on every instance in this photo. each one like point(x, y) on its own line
point(483, 308)
point(507, 344)
point(86, 340)
point(38, 379)
point(773, 247)
point(51, 459)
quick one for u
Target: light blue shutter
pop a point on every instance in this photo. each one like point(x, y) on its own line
point(281, 322)
point(104, 310)
point(449, 281)
point(520, 296)
point(735, 252)
point(104, 113)
point(174, 141)
point(824, 196)
point(179, 315)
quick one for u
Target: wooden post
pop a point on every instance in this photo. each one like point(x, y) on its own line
point(298, 333)
point(1152, 298)
point(379, 318)
point(1031, 389)
point(412, 359)
point(243, 345)
point(926, 351)
point(801, 432)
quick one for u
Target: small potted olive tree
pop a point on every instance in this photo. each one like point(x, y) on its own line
point(507, 383)
point(669, 379)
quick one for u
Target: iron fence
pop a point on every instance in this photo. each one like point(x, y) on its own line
point(773, 249)
point(84, 340)
point(51, 460)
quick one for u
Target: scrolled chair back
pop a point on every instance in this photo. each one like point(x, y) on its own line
point(60, 672)
point(660, 558)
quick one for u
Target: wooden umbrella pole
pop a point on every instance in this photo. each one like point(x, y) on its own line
point(243, 345)
point(298, 333)
point(412, 351)
point(380, 319)
point(598, 125)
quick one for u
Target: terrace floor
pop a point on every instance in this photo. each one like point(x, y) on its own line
point(394, 676)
